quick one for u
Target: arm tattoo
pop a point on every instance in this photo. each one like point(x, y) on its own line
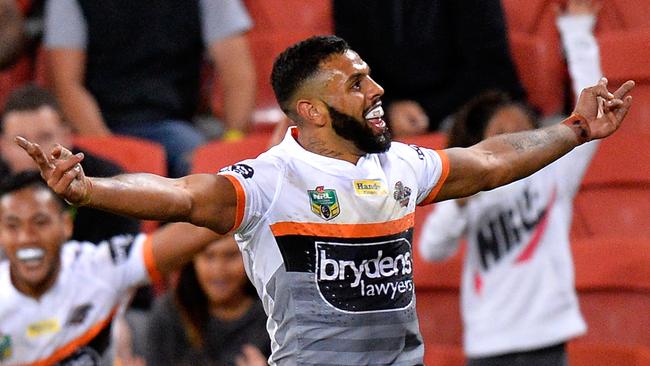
point(530, 139)
point(318, 146)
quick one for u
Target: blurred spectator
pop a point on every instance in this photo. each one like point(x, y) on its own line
point(519, 303)
point(33, 113)
point(213, 312)
point(12, 35)
point(133, 67)
point(59, 296)
point(430, 56)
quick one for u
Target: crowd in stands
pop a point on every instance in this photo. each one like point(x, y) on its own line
point(455, 72)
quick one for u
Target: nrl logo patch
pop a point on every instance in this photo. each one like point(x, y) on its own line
point(5, 347)
point(324, 202)
point(402, 194)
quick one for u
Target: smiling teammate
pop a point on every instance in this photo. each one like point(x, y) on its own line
point(59, 297)
point(325, 218)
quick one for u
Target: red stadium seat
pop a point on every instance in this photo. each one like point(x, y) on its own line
point(589, 354)
point(536, 52)
point(443, 355)
point(275, 29)
point(215, 155)
point(614, 198)
point(131, 153)
point(438, 292)
point(613, 281)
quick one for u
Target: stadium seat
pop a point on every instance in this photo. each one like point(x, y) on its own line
point(603, 354)
point(432, 140)
point(211, 157)
point(131, 153)
point(274, 29)
point(443, 355)
point(614, 198)
point(14, 77)
point(536, 52)
point(613, 281)
point(438, 291)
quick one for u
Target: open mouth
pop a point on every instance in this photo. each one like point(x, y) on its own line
point(30, 255)
point(374, 118)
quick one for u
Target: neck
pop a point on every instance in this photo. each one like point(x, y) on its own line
point(233, 309)
point(332, 146)
point(37, 290)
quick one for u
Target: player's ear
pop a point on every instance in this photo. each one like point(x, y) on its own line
point(310, 112)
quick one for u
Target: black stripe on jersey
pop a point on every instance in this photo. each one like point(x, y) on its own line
point(355, 275)
point(299, 251)
point(92, 353)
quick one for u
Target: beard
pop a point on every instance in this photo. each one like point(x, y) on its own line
point(358, 132)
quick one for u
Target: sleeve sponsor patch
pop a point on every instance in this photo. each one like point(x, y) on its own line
point(244, 170)
point(418, 150)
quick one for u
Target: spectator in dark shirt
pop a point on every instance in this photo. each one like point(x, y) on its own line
point(431, 56)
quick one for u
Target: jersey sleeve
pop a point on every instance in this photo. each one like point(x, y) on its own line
point(255, 184)
point(431, 168)
point(126, 261)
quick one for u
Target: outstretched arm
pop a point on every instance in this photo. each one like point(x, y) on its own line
point(203, 200)
point(506, 158)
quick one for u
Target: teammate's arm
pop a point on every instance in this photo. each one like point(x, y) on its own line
point(505, 158)
point(176, 244)
point(201, 199)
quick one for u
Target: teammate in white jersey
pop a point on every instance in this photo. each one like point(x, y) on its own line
point(324, 220)
point(519, 304)
point(58, 298)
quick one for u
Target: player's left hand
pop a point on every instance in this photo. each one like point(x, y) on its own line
point(603, 110)
point(61, 170)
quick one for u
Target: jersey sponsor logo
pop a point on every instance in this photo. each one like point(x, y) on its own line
point(505, 229)
point(369, 187)
point(418, 150)
point(5, 347)
point(365, 277)
point(43, 327)
point(84, 356)
point(120, 247)
point(244, 170)
point(402, 194)
point(324, 202)
point(78, 314)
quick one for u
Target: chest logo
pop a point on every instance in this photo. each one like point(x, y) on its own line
point(5, 347)
point(402, 194)
point(43, 327)
point(78, 314)
point(324, 202)
point(369, 187)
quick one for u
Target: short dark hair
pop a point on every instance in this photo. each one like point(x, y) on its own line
point(28, 179)
point(301, 61)
point(29, 97)
point(470, 122)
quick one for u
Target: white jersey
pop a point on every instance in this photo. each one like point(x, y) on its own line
point(70, 323)
point(327, 244)
point(518, 282)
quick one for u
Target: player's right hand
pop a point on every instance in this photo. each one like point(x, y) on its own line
point(61, 170)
